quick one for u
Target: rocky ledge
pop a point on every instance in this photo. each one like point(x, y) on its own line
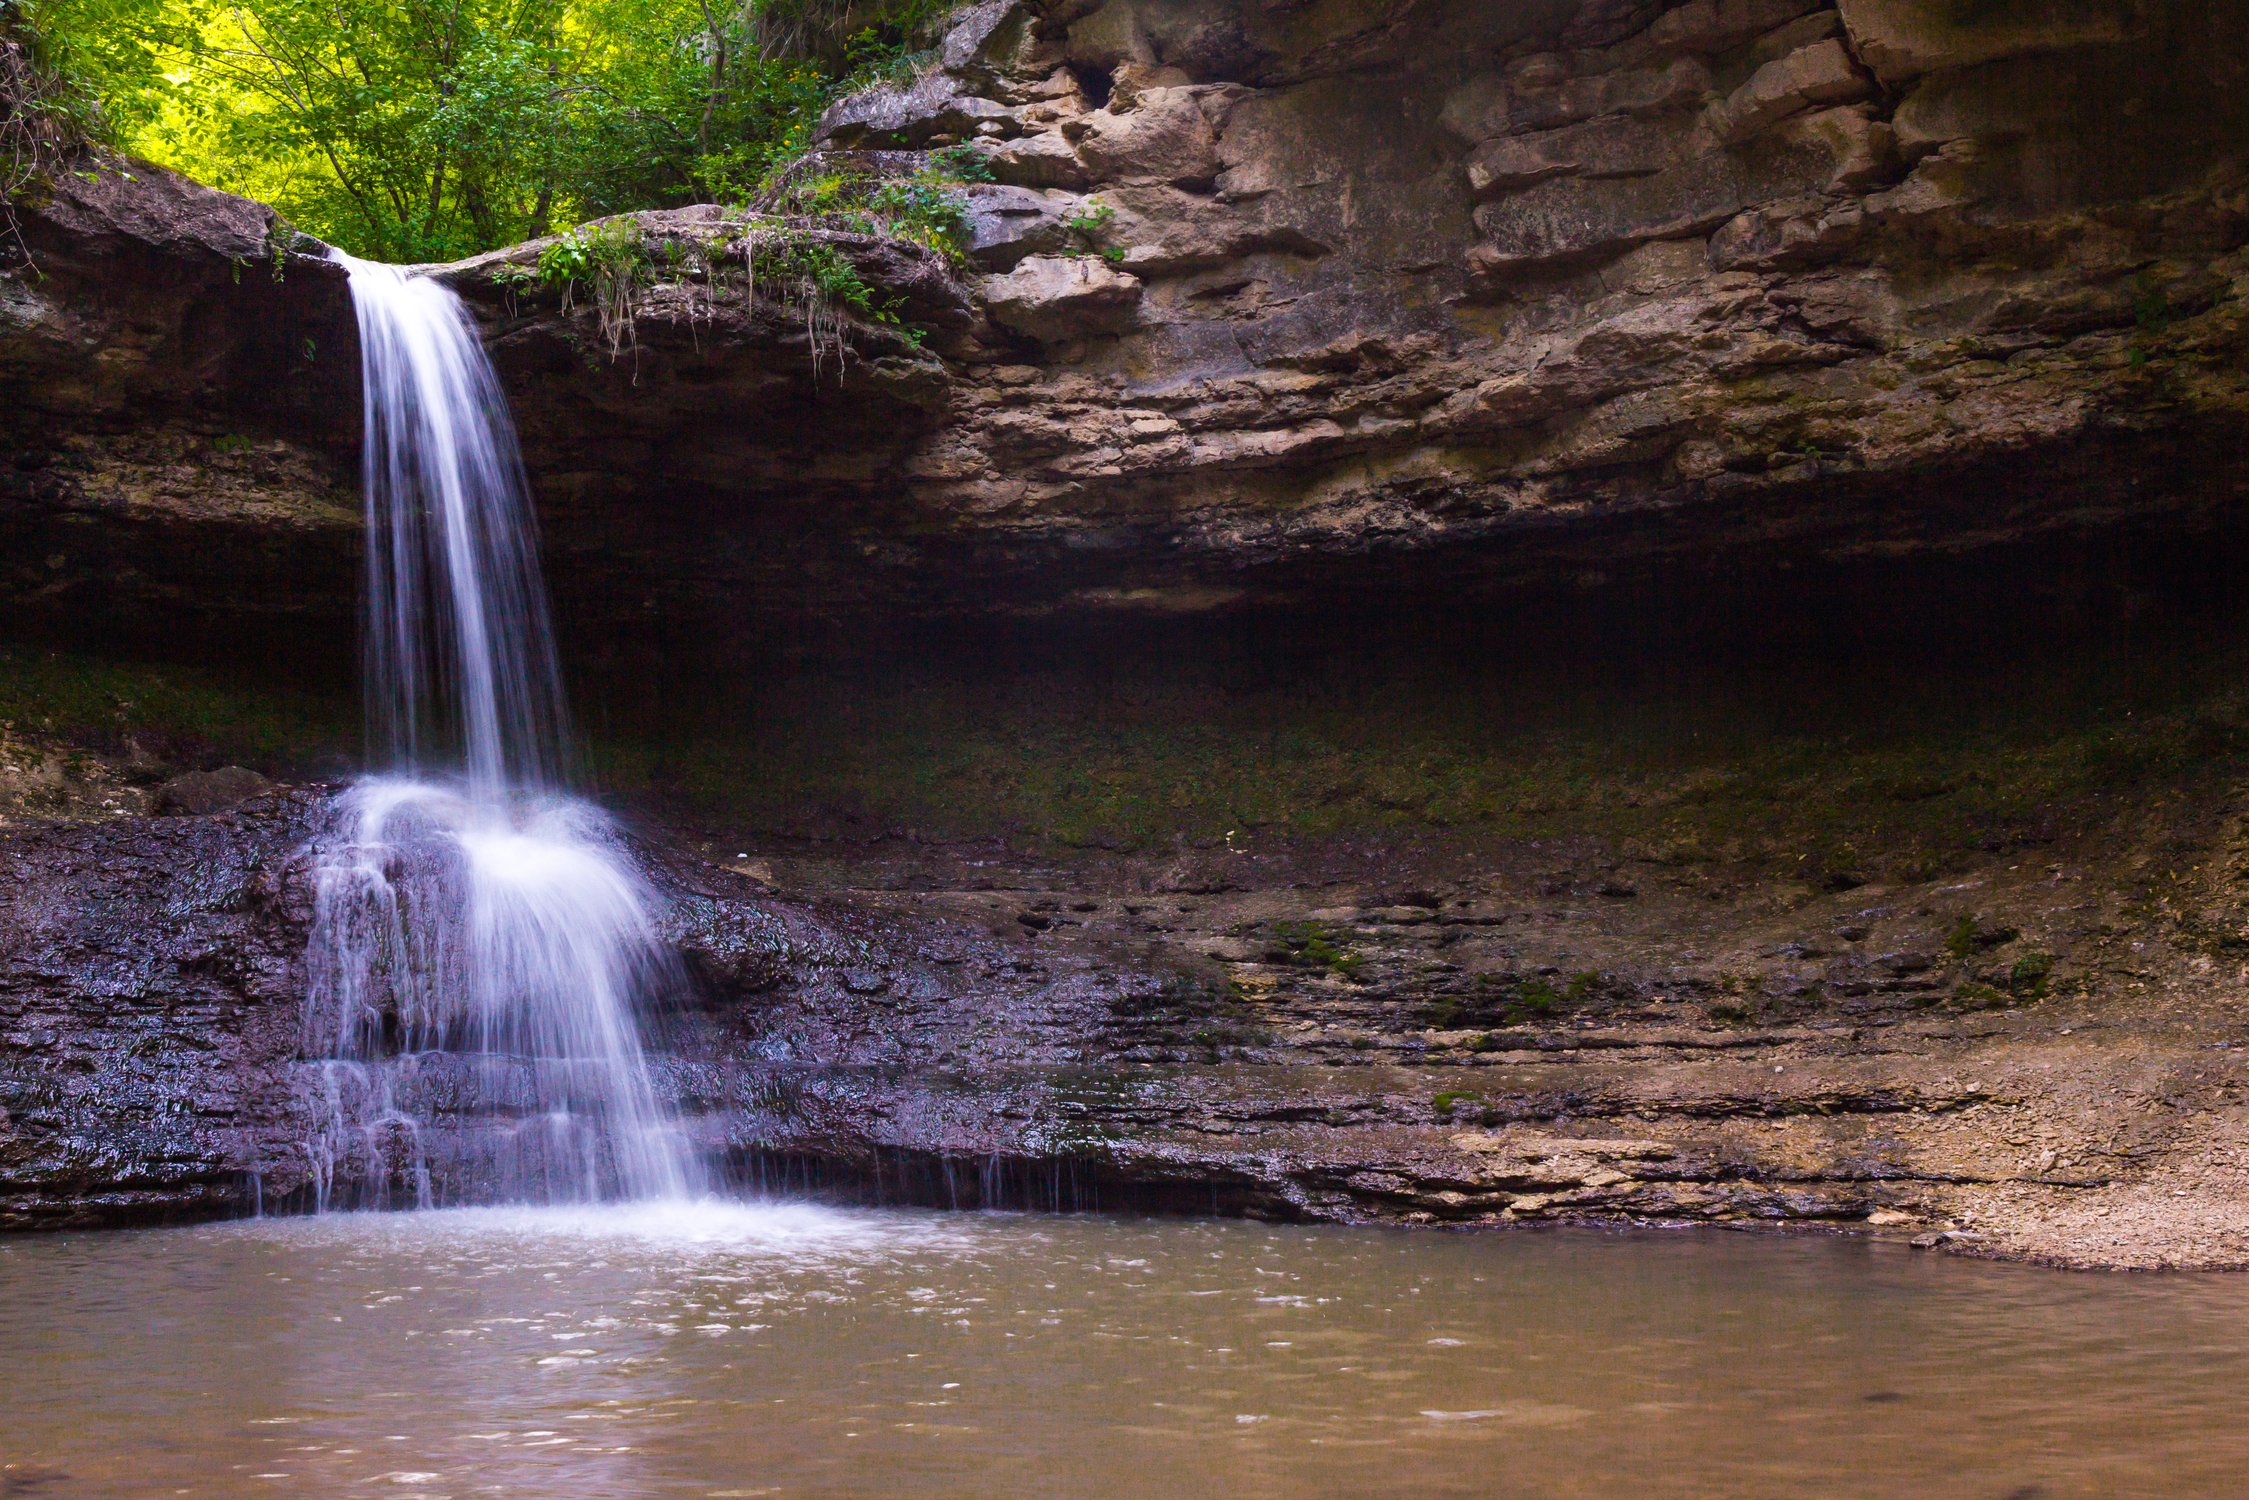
point(174, 410)
point(2021, 1063)
point(1283, 299)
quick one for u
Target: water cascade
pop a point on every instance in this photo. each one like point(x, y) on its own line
point(481, 942)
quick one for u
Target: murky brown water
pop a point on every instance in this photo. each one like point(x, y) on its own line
point(803, 1351)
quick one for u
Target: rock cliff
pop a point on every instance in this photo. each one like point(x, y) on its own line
point(1271, 302)
point(175, 410)
point(1491, 285)
point(1279, 320)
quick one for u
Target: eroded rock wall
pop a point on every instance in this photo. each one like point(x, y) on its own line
point(178, 408)
point(1269, 286)
point(1293, 306)
point(1262, 303)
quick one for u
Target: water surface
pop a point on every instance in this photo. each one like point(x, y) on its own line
point(795, 1350)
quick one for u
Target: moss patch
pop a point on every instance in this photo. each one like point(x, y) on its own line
point(179, 715)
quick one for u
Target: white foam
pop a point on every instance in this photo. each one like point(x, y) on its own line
point(694, 1226)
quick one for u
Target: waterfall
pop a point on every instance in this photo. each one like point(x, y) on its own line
point(481, 942)
point(457, 636)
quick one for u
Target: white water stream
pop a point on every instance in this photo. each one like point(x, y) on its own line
point(482, 944)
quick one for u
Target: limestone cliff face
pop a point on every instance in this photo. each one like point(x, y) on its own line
point(1478, 283)
point(175, 421)
point(1266, 301)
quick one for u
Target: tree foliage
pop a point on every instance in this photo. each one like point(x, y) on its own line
point(413, 130)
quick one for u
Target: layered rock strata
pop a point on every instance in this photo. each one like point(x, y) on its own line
point(178, 407)
point(2026, 1061)
point(1294, 306)
point(1270, 305)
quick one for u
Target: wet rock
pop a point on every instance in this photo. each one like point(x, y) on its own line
point(198, 792)
point(152, 986)
point(156, 1092)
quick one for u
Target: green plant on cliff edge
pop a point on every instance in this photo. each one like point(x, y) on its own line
point(823, 285)
point(790, 237)
point(924, 207)
point(1089, 231)
point(610, 259)
point(794, 249)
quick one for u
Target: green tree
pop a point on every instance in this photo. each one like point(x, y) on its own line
point(99, 63)
point(428, 129)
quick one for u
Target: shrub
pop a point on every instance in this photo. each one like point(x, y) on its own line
point(1313, 945)
point(2031, 976)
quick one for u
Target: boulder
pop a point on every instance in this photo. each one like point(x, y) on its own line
point(1903, 39)
point(1162, 136)
point(909, 115)
point(1862, 150)
point(1056, 297)
point(1820, 74)
point(200, 792)
point(1007, 223)
point(1044, 160)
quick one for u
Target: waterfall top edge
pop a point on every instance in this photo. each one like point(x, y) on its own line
point(417, 270)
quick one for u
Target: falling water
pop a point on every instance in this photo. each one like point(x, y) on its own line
point(481, 943)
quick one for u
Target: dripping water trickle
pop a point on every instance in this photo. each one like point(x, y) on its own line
point(482, 945)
